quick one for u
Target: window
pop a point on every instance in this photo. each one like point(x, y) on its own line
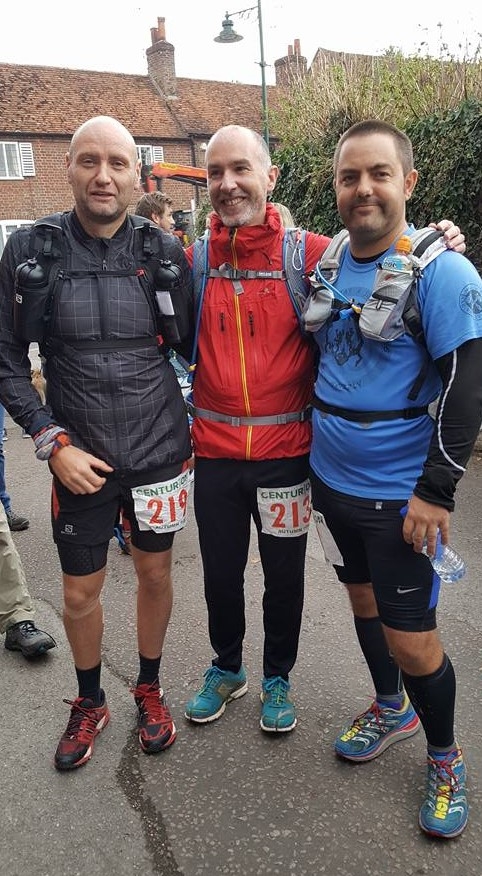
point(7, 226)
point(16, 160)
point(150, 154)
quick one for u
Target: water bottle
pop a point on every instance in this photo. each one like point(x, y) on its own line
point(400, 259)
point(381, 317)
point(446, 562)
point(31, 301)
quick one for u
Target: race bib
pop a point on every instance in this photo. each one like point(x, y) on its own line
point(285, 511)
point(328, 543)
point(162, 507)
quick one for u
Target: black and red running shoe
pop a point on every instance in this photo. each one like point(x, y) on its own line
point(85, 723)
point(156, 727)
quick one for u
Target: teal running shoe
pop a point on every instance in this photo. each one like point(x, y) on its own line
point(445, 811)
point(374, 730)
point(278, 714)
point(219, 688)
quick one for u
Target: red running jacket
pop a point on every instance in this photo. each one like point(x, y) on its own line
point(252, 359)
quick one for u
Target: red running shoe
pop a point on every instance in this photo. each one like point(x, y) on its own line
point(156, 727)
point(77, 743)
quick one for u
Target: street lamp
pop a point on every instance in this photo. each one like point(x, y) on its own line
point(229, 35)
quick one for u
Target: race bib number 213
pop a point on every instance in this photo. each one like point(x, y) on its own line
point(285, 511)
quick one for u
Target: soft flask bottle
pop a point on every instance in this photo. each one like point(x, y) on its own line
point(31, 301)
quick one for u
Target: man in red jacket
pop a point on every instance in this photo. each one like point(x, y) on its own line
point(251, 430)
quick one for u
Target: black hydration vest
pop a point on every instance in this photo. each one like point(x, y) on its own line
point(38, 280)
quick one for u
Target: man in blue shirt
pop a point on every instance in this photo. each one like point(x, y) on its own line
point(375, 451)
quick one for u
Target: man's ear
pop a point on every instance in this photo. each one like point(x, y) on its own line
point(410, 183)
point(273, 175)
point(138, 173)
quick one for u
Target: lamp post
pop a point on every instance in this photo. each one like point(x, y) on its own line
point(229, 35)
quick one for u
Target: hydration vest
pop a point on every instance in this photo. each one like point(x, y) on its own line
point(391, 309)
point(38, 280)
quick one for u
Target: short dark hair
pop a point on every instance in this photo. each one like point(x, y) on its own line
point(403, 143)
point(152, 202)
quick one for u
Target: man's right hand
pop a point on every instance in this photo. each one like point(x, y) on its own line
point(75, 469)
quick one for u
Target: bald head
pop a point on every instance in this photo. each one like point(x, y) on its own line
point(103, 170)
point(100, 127)
point(250, 140)
point(240, 175)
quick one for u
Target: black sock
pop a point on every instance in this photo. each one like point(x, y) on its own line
point(433, 698)
point(89, 684)
point(384, 671)
point(148, 669)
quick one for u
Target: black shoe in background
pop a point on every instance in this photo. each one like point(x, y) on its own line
point(25, 637)
point(16, 522)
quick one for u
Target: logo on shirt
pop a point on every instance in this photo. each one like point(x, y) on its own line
point(471, 300)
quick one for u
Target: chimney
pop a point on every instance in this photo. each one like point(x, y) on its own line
point(160, 61)
point(292, 67)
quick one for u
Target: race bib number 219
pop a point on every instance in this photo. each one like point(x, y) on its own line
point(162, 507)
point(285, 511)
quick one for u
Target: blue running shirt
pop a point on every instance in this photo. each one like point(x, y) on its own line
point(383, 459)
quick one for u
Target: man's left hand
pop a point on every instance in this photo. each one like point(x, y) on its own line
point(453, 236)
point(422, 523)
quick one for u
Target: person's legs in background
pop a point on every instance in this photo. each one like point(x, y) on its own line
point(16, 522)
point(16, 609)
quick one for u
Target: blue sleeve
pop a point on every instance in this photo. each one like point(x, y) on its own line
point(450, 300)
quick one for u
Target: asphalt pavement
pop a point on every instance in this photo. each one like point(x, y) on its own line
point(225, 799)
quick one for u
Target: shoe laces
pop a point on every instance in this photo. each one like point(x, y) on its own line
point(28, 630)
point(375, 714)
point(150, 702)
point(82, 722)
point(277, 688)
point(211, 679)
point(443, 778)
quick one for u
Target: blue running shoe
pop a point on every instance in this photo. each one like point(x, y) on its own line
point(374, 730)
point(445, 810)
point(219, 688)
point(278, 714)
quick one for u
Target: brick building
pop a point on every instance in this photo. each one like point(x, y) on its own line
point(170, 118)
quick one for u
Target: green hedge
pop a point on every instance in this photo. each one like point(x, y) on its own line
point(448, 155)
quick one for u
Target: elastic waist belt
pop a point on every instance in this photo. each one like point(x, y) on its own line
point(368, 416)
point(272, 420)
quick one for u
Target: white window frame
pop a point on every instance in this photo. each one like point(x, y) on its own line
point(16, 160)
point(8, 226)
point(149, 154)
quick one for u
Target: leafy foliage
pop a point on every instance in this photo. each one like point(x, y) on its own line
point(448, 156)
point(438, 102)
